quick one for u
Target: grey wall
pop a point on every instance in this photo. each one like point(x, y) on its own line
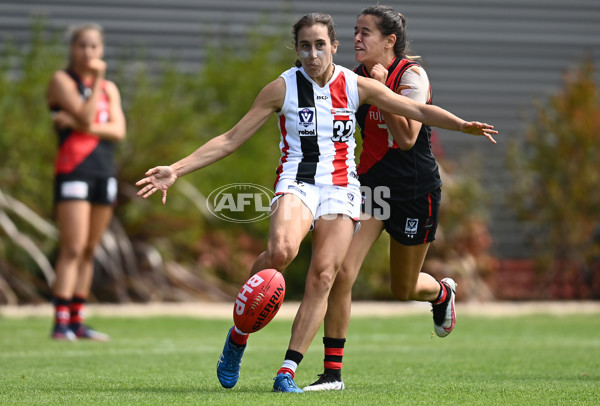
point(487, 59)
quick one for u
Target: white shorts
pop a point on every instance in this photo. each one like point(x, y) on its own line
point(323, 200)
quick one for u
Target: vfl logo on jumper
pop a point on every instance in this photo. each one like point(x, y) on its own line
point(240, 202)
point(343, 128)
point(411, 226)
point(306, 116)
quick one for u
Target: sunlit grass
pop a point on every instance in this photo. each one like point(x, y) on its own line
point(530, 360)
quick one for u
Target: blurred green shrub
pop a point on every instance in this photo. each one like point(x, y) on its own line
point(27, 143)
point(557, 181)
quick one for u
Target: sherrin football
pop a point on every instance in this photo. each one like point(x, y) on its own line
point(259, 300)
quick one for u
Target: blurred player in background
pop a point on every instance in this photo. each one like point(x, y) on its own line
point(397, 155)
point(89, 120)
point(317, 187)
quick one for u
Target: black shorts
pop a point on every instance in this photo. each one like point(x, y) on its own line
point(96, 190)
point(410, 222)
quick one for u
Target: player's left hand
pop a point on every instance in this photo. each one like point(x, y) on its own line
point(158, 178)
point(477, 128)
point(379, 73)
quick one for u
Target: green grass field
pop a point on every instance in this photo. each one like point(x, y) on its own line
point(529, 360)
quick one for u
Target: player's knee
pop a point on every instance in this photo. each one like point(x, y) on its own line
point(345, 277)
point(71, 252)
point(320, 281)
point(88, 253)
point(280, 256)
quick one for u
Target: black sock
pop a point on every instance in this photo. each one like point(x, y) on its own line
point(294, 356)
point(61, 310)
point(334, 352)
point(76, 309)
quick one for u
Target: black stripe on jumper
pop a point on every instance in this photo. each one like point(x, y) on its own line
point(307, 168)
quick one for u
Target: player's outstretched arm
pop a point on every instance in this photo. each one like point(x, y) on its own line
point(269, 100)
point(379, 95)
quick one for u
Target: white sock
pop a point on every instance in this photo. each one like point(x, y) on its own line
point(289, 365)
point(240, 332)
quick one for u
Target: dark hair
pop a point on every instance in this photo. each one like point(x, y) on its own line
point(313, 19)
point(391, 22)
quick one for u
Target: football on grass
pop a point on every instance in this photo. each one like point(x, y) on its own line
point(259, 300)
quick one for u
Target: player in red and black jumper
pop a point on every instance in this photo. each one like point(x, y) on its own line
point(89, 120)
point(401, 188)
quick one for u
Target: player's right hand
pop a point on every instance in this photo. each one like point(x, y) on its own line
point(97, 66)
point(157, 178)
